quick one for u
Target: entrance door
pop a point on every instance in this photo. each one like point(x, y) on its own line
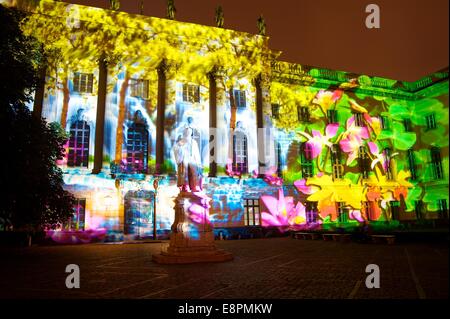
point(139, 213)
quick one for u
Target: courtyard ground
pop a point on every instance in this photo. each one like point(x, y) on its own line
point(262, 268)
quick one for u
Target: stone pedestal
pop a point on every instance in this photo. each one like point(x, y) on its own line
point(192, 237)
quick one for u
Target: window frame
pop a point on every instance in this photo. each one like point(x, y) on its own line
point(407, 125)
point(412, 164)
point(249, 211)
point(342, 212)
point(436, 163)
point(364, 162)
point(442, 208)
point(79, 78)
point(241, 167)
point(275, 110)
point(303, 114)
point(332, 116)
point(311, 212)
point(191, 93)
point(430, 120)
point(74, 147)
point(141, 130)
point(384, 121)
point(240, 98)
point(336, 162)
point(359, 119)
point(307, 164)
point(139, 88)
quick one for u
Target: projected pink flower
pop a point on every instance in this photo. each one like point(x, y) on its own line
point(327, 98)
point(351, 146)
point(282, 211)
point(379, 157)
point(271, 177)
point(356, 215)
point(229, 169)
point(199, 209)
point(353, 129)
point(317, 140)
point(77, 237)
point(302, 187)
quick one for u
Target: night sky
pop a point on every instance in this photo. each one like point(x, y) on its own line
point(412, 41)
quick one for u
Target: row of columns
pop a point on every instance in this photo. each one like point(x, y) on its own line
point(160, 115)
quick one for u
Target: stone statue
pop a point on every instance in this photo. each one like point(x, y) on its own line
point(114, 4)
point(187, 157)
point(219, 17)
point(261, 25)
point(141, 7)
point(171, 10)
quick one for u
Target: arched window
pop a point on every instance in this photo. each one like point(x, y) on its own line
point(137, 148)
point(240, 158)
point(78, 155)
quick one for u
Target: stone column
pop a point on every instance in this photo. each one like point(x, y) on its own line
point(160, 116)
point(100, 119)
point(212, 124)
point(39, 94)
point(260, 126)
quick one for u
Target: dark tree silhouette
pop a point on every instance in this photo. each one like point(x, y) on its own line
point(32, 195)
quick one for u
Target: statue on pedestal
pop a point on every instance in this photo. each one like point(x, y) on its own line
point(261, 26)
point(187, 157)
point(192, 236)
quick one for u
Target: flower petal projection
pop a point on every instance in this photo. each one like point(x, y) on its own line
point(303, 188)
point(351, 146)
point(271, 177)
point(356, 215)
point(282, 211)
point(356, 107)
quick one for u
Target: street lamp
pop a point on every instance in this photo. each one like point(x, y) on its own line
point(155, 186)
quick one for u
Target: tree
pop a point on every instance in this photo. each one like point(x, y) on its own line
point(32, 194)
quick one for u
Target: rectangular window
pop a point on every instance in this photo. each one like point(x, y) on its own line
point(251, 212)
point(303, 114)
point(384, 120)
point(191, 93)
point(332, 116)
point(76, 222)
point(431, 121)
point(436, 163)
point(306, 160)
point(407, 125)
point(412, 164)
point(387, 163)
point(78, 151)
point(342, 212)
point(239, 98)
point(364, 162)
point(336, 162)
point(82, 82)
point(367, 210)
point(275, 111)
point(312, 213)
point(279, 160)
point(359, 119)
point(395, 209)
point(418, 208)
point(442, 209)
point(139, 88)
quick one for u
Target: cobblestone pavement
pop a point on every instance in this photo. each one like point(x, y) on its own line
point(262, 268)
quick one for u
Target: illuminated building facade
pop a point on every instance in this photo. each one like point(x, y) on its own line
point(292, 146)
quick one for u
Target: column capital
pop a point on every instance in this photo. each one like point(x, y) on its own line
point(262, 80)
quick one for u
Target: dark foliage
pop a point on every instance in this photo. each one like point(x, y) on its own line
point(32, 194)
